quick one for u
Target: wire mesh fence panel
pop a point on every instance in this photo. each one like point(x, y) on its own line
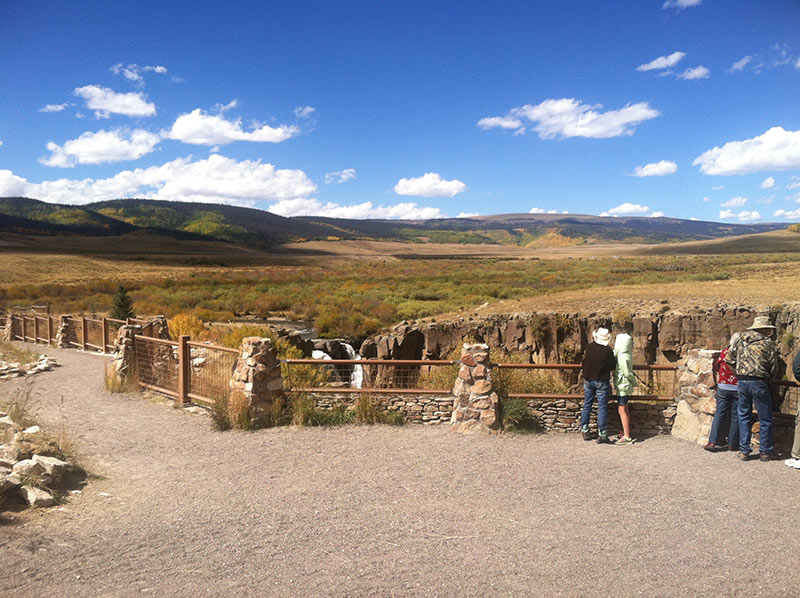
point(113, 330)
point(786, 398)
point(157, 364)
point(210, 371)
point(29, 327)
point(94, 334)
point(75, 332)
point(16, 327)
point(41, 328)
point(510, 381)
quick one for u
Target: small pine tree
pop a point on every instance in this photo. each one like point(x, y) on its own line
point(121, 306)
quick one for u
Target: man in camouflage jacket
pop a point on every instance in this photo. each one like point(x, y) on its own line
point(754, 358)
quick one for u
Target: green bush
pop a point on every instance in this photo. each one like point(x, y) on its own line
point(517, 417)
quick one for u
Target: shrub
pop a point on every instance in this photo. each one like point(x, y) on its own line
point(186, 324)
point(369, 411)
point(306, 413)
point(220, 416)
point(517, 417)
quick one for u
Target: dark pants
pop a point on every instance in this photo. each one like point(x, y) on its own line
point(755, 393)
point(727, 403)
point(599, 389)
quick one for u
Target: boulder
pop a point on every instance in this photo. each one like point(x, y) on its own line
point(690, 425)
point(55, 468)
point(36, 497)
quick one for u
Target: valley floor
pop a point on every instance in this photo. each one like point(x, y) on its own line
point(181, 510)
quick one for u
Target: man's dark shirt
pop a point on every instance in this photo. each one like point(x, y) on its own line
point(598, 362)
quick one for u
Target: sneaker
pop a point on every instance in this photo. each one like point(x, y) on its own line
point(767, 456)
point(624, 440)
point(797, 464)
point(791, 462)
point(733, 448)
point(745, 456)
point(712, 448)
point(587, 435)
point(604, 439)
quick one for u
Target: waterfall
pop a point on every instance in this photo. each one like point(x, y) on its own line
point(357, 375)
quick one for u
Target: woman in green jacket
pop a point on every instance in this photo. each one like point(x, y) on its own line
point(624, 382)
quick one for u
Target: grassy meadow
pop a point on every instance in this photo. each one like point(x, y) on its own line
point(347, 298)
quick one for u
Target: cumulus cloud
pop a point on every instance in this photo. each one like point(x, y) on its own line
point(304, 111)
point(313, 207)
point(542, 211)
point(53, 107)
point(101, 147)
point(657, 215)
point(661, 168)
point(626, 209)
point(740, 64)
point(744, 216)
point(568, 117)
point(777, 149)
point(698, 72)
point(768, 183)
point(216, 179)
point(467, 215)
point(106, 101)
point(680, 4)
point(662, 62)
point(133, 72)
point(797, 64)
point(340, 176)
point(706, 199)
point(429, 185)
point(793, 214)
point(793, 185)
point(200, 128)
point(735, 202)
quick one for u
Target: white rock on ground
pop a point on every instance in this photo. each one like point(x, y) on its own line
point(55, 468)
point(32, 430)
point(36, 497)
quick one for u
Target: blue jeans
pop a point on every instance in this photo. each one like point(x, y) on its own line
point(755, 392)
point(727, 402)
point(592, 389)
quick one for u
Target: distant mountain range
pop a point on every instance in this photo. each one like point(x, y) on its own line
point(260, 229)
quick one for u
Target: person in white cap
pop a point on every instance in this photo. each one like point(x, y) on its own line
point(754, 358)
point(598, 362)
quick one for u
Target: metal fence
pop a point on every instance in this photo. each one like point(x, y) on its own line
point(157, 365)
point(209, 372)
point(657, 383)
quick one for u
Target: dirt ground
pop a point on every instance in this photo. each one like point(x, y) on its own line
point(175, 509)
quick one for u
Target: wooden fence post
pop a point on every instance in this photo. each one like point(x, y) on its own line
point(23, 329)
point(83, 332)
point(49, 327)
point(35, 328)
point(184, 360)
point(105, 335)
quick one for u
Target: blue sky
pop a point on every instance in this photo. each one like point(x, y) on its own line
point(682, 108)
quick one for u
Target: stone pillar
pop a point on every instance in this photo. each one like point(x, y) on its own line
point(257, 380)
point(696, 399)
point(476, 408)
point(63, 334)
point(125, 354)
point(8, 331)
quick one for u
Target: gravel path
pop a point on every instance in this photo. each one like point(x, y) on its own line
point(378, 511)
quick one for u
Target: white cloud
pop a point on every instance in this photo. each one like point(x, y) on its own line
point(698, 72)
point(743, 216)
point(735, 202)
point(626, 209)
point(340, 176)
point(216, 179)
point(161, 70)
point(429, 185)
point(101, 147)
point(501, 122)
point(53, 108)
point(767, 200)
point(777, 149)
point(740, 64)
point(467, 215)
point(304, 111)
point(662, 62)
point(568, 117)
point(797, 64)
point(200, 128)
point(718, 188)
point(657, 215)
point(768, 183)
point(794, 185)
point(313, 207)
point(793, 214)
point(680, 4)
point(133, 72)
point(661, 168)
point(541, 211)
point(106, 101)
point(706, 199)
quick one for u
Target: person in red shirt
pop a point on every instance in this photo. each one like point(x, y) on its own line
point(727, 402)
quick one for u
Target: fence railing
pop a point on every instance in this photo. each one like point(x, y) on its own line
point(184, 370)
point(97, 334)
point(429, 377)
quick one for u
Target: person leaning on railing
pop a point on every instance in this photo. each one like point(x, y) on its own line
point(794, 461)
point(598, 362)
point(727, 396)
point(754, 359)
